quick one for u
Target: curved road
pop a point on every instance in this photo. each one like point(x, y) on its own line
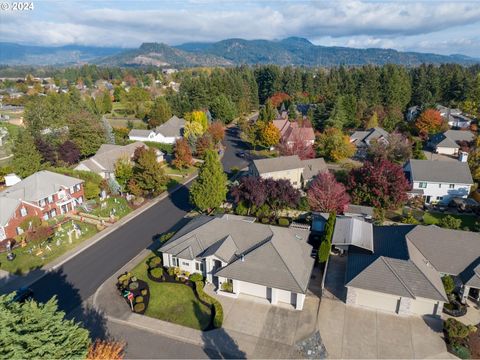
point(81, 276)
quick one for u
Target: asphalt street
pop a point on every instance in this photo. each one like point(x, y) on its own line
point(80, 277)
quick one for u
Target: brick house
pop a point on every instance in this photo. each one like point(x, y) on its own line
point(44, 194)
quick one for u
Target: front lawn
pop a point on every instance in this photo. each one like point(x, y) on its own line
point(174, 303)
point(119, 204)
point(182, 172)
point(434, 218)
point(34, 256)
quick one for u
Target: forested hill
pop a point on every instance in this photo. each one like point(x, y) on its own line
point(230, 52)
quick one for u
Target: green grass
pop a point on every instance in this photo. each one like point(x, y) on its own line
point(121, 206)
point(185, 172)
point(174, 303)
point(434, 218)
point(26, 258)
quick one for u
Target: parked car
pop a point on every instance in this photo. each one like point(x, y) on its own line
point(241, 154)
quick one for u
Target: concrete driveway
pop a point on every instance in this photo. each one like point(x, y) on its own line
point(262, 330)
point(352, 332)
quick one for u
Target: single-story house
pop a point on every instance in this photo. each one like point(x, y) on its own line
point(363, 139)
point(103, 162)
point(454, 117)
point(438, 181)
point(448, 142)
point(44, 194)
point(167, 133)
point(259, 260)
point(291, 132)
point(299, 172)
point(398, 269)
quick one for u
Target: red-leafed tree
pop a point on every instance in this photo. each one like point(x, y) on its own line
point(182, 154)
point(379, 183)
point(429, 122)
point(203, 144)
point(325, 194)
point(251, 190)
point(278, 98)
point(216, 131)
point(69, 152)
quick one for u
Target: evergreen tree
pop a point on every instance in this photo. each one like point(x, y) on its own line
point(32, 330)
point(292, 111)
point(147, 171)
point(123, 172)
point(210, 188)
point(160, 112)
point(223, 109)
point(86, 131)
point(338, 117)
point(26, 158)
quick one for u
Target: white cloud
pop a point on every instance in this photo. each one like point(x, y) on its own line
point(401, 24)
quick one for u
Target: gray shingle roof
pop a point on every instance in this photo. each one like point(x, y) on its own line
point(273, 256)
point(173, 127)
point(396, 267)
point(459, 135)
point(366, 136)
point(7, 209)
point(353, 231)
point(311, 167)
point(140, 132)
point(454, 172)
point(449, 251)
point(39, 186)
point(281, 163)
point(449, 138)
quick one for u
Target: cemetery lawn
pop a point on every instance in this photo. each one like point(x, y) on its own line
point(27, 259)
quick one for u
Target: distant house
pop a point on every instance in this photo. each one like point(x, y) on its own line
point(364, 138)
point(291, 132)
point(262, 261)
point(298, 172)
point(447, 143)
point(167, 133)
point(438, 181)
point(454, 117)
point(44, 194)
point(398, 269)
point(103, 162)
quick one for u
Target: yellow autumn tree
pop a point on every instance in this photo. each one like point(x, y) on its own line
point(269, 135)
point(198, 117)
point(192, 130)
point(335, 145)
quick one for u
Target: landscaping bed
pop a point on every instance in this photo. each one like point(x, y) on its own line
point(129, 284)
point(463, 341)
point(178, 298)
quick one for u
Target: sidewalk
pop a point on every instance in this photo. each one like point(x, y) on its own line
point(11, 282)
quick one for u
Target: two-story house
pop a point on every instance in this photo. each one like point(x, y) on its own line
point(438, 181)
point(44, 194)
point(264, 261)
point(298, 172)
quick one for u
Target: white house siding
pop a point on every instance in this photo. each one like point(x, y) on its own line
point(154, 138)
point(294, 176)
point(393, 303)
point(446, 150)
point(442, 191)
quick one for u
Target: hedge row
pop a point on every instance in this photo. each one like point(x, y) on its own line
point(218, 319)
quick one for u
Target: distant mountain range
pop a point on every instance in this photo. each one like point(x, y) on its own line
point(230, 52)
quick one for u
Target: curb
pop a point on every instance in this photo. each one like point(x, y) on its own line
point(25, 282)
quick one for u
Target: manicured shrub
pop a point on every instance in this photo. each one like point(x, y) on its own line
point(450, 222)
point(156, 272)
point(448, 284)
point(139, 299)
point(265, 220)
point(133, 285)
point(324, 253)
point(144, 292)
point(218, 318)
point(456, 330)
point(283, 222)
point(154, 262)
point(228, 287)
point(139, 307)
point(196, 277)
point(171, 271)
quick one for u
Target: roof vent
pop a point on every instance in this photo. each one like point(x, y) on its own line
point(298, 237)
point(243, 258)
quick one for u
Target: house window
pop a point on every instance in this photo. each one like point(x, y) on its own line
point(53, 213)
point(23, 211)
point(19, 231)
point(174, 261)
point(439, 186)
point(41, 203)
point(45, 216)
point(185, 263)
point(439, 198)
point(50, 199)
point(422, 185)
point(198, 266)
point(451, 186)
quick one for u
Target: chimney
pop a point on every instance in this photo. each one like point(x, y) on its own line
point(462, 156)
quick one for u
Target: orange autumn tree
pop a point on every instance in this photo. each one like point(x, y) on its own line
point(216, 131)
point(106, 350)
point(430, 122)
point(278, 98)
point(182, 154)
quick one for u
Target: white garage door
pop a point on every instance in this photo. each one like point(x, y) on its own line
point(377, 301)
point(254, 289)
point(423, 307)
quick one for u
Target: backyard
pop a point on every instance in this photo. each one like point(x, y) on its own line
point(430, 218)
point(34, 256)
point(173, 302)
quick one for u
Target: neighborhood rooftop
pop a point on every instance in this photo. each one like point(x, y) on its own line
point(441, 171)
point(39, 186)
point(311, 167)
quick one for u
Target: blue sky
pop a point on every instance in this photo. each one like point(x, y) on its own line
point(426, 26)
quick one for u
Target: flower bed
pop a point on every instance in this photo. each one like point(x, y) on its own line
point(141, 292)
